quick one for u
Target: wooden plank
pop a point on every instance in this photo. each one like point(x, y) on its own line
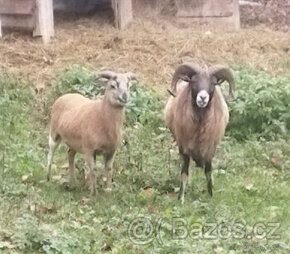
point(123, 12)
point(25, 22)
point(44, 20)
point(231, 23)
point(24, 7)
point(205, 8)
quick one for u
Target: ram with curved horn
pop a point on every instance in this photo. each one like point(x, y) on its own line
point(197, 115)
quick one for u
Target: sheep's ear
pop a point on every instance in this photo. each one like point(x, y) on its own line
point(132, 77)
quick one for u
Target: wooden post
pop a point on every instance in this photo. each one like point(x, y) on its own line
point(123, 12)
point(44, 20)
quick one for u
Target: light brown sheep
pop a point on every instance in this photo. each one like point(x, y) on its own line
point(197, 114)
point(90, 127)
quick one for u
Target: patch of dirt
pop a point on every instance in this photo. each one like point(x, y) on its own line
point(273, 13)
point(150, 48)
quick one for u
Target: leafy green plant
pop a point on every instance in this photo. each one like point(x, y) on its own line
point(251, 177)
point(262, 106)
point(77, 79)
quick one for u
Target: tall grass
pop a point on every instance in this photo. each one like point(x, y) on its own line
point(250, 170)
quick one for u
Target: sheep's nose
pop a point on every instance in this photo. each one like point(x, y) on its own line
point(125, 97)
point(203, 97)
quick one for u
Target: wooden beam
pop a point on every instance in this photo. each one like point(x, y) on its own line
point(44, 20)
point(248, 3)
point(122, 12)
point(25, 22)
point(205, 8)
point(22, 7)
point(216, 14)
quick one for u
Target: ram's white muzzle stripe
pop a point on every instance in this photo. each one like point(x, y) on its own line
point(202, 99)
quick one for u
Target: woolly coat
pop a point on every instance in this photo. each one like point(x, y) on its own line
point(196, 131)
point(87, 126)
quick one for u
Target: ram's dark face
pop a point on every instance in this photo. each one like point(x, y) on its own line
point(202, 82)
point(202, 89)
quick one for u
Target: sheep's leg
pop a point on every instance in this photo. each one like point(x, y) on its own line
point(109, 159)
point(207, 171)
point(71, 157)
point(92, 175)
point(53, 144)
point(185, 159)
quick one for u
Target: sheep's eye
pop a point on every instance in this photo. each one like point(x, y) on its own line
point(214, 81)
point(113, 85)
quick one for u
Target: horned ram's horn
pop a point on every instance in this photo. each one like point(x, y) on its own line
point(106, 74)
point(223, 73)
point(185, 72)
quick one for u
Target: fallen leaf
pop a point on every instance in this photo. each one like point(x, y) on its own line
point(219, 250)
point(84, 201)
point(80, 221)
point(249, 184)
point(106, 230)
point(148, 191)
point(56, 178)
point(276, 162)
point(151, 209)
point(44, 209)
point(273, 210)
point(107, 246)
point(6, 245)
point(96, 220)
point(24, 178)
point(5, 235)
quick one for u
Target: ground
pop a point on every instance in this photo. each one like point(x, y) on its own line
point(273, 13)
point(152, 48)
point(249, 211)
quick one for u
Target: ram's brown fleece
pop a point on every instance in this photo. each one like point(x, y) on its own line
point(196, 131)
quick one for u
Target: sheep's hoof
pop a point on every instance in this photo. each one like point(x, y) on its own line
point(48, 177)
point(93, 192)
point(92, 188)
point(209, 188)
point(182, 200)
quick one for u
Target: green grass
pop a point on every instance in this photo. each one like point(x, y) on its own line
point(251, 172)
